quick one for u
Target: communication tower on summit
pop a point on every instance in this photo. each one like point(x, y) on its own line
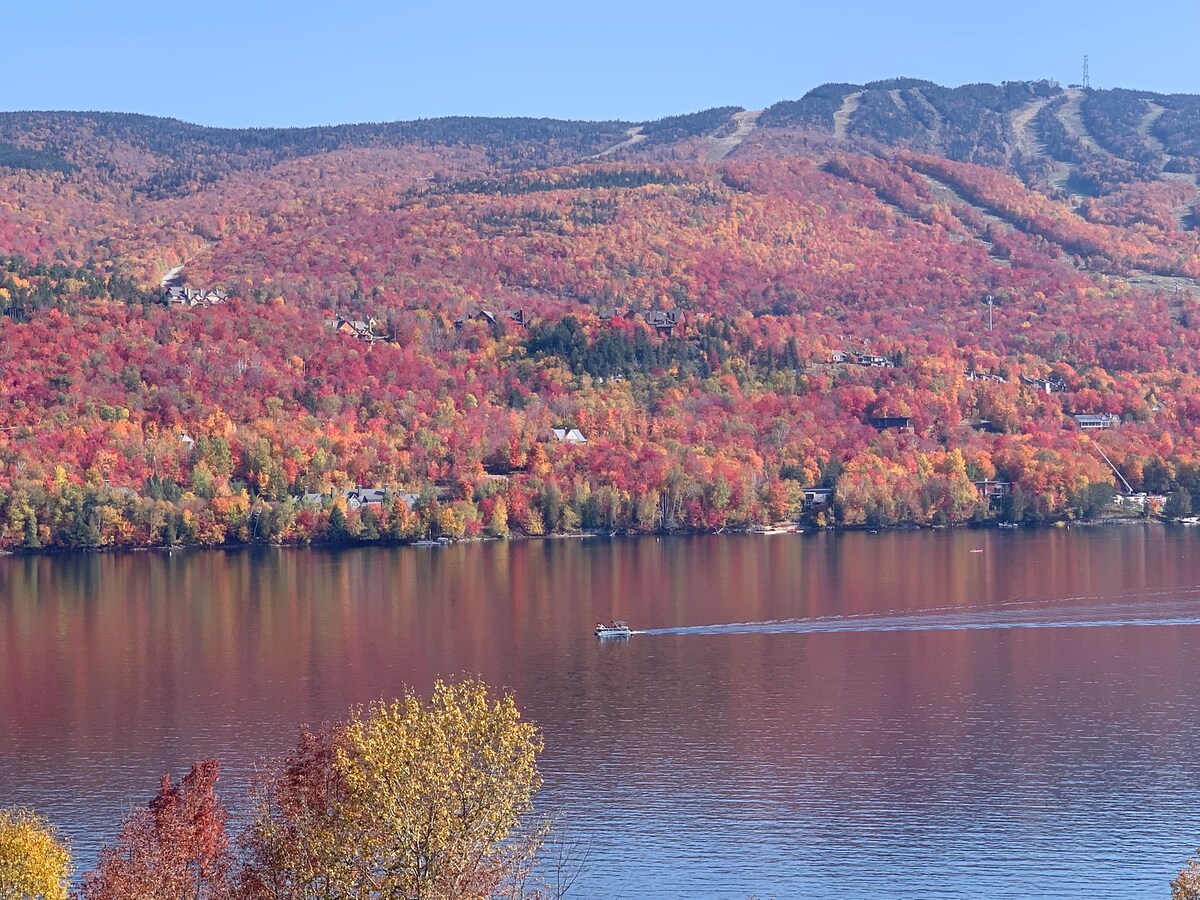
point(1087, 78)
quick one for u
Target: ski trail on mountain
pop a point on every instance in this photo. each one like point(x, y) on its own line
point(841, 118)
point(721, 147)
point(633, 136)
point(1027, 140)
point(1071, 115)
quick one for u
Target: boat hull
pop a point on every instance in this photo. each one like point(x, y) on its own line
point(617, 629)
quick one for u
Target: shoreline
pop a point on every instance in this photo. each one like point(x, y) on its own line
point(752, 531)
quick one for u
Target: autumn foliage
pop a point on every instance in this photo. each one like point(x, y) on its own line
point(412, 798)
point(177, 846)
point(725, 335)
point(692, 321)
point(34, 863)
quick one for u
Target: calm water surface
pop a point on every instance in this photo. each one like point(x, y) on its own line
point(807, 716)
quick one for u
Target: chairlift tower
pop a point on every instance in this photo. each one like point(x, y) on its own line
point(990, 300)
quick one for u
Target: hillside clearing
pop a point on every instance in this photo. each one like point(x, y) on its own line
point(633, 137)
point(841, 118)
point(719, 148)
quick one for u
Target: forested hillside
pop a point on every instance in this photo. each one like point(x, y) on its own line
point(417, 307)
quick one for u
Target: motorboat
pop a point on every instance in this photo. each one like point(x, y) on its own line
point(617, 628)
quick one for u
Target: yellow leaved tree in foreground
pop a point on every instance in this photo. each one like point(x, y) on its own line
point(438, 790)
point(411, 798)
point(34, 863)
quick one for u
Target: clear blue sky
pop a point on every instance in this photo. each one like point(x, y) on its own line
point(303, 63)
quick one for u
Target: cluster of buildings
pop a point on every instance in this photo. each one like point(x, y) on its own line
point(871, 360)
point(186, 296)
point(358, 497)
point(568, 436)
point(175, 292)
point(1051, 385)
point(663, 321)
point(361, 329)
point(491, 316)
point(973, 375)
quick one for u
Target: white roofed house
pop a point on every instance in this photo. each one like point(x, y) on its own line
point(1096, 421)
point(568, 435)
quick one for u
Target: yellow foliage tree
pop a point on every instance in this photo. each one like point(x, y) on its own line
point(451, 523)
point(497, 525)
point(438, 792)
point(34, 862)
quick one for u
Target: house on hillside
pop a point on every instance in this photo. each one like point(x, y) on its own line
point(362, 329)
point(185, 296)
point(664, 321)
point(480, 315)
point(894, 423)
point(359, 497)
point(1096, 421)
point(815, 498)
point(875, 361)
point(1051, 385)
point(568, 435)
point(993, 491)
point(972, 375)
point(516, 316)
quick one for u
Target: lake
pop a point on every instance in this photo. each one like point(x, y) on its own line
point(908, 714)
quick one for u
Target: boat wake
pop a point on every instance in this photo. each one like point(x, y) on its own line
point(1012, 615)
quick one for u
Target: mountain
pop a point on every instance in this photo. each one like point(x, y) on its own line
point(732, 308)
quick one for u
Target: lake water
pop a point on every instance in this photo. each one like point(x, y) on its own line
point(855, 715)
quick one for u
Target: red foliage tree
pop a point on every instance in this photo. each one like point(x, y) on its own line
point(176, 848)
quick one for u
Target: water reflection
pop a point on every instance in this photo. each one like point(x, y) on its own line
point(898, 726)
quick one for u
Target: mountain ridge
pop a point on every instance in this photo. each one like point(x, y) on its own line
point(1031, 128)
